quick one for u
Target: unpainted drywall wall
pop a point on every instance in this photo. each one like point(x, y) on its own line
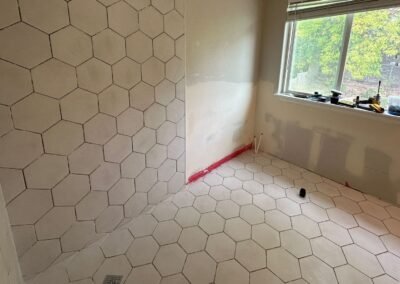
point(91, 118)
point(343, 146)
point(222, 53)
point(10, 272)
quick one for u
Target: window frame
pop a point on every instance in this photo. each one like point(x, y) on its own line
point(288, 46)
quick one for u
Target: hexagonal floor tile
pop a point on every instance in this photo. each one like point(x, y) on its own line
point(199, 268)
point(250, 255)
point(237, 229)
point(167, 232)
point(169, 260)
point(212, 223)
point(221, 247)
point(142, 251)
point(283, 264)
point(231, 272)
point(315, 271)
point(193, 239)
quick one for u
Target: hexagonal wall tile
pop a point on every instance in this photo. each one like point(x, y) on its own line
point(142, 96)
point(108, 46)
point(94, 75)
point(15, 39)
point(12, 183)
point(89, 16)
point(9, 13)
point(79, 106)
point(63, 138)
point(55, 223)
point(85, 159)
point(117, 149)
point(123, 19)
point(54, 78)
point(164, 6)
point(19, 148)
point(154, 116)
point(29, 206)
point(176, 148)
point(70, 190)
point(40, 256)
point(153, 71)
point(15, 83)
point(36, 113)
point(180, 47)
point(151, 22)
point(46, 172)
point(175, 110)
point(164, 47)
point(144, 140)
point(113, 100)
point(126, 73)
point(71, 45)
point(139, 47)
point(139, 4)
point(130, 122)
point(165, 92)
point(175, 69)
point(174, 24)
point(100, 129)
point(166, 132)
point(48, 15)
point(156, 156)
point(105, 176)
point(24, 238)
point(5, 120)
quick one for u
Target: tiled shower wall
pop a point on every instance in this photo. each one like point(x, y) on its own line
point(91, 117)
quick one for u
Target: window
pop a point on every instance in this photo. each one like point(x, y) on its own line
point(351, 53)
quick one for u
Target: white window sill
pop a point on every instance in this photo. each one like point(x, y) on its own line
point(383, 117)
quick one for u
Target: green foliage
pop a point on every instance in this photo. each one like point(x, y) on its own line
point(374, 35)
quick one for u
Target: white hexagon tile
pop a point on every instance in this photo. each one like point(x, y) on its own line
point(86, 127)
point(91, 150)
point(218, 229)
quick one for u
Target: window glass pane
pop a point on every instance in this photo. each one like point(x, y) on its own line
point(373, 55)
point(316, 54)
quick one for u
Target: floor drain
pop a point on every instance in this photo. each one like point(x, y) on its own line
point(112, 279)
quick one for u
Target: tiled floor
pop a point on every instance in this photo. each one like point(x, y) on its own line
point(244, 223)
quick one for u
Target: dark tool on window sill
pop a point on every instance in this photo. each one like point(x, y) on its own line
point(302, 193)
point(374, 103)
point(317, 97)
point(335, 99)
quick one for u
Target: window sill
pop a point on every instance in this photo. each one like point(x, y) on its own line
point(383, 117)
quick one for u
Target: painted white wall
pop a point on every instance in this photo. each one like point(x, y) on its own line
point(222, 39)
point(341, 145)
point(10, 272)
